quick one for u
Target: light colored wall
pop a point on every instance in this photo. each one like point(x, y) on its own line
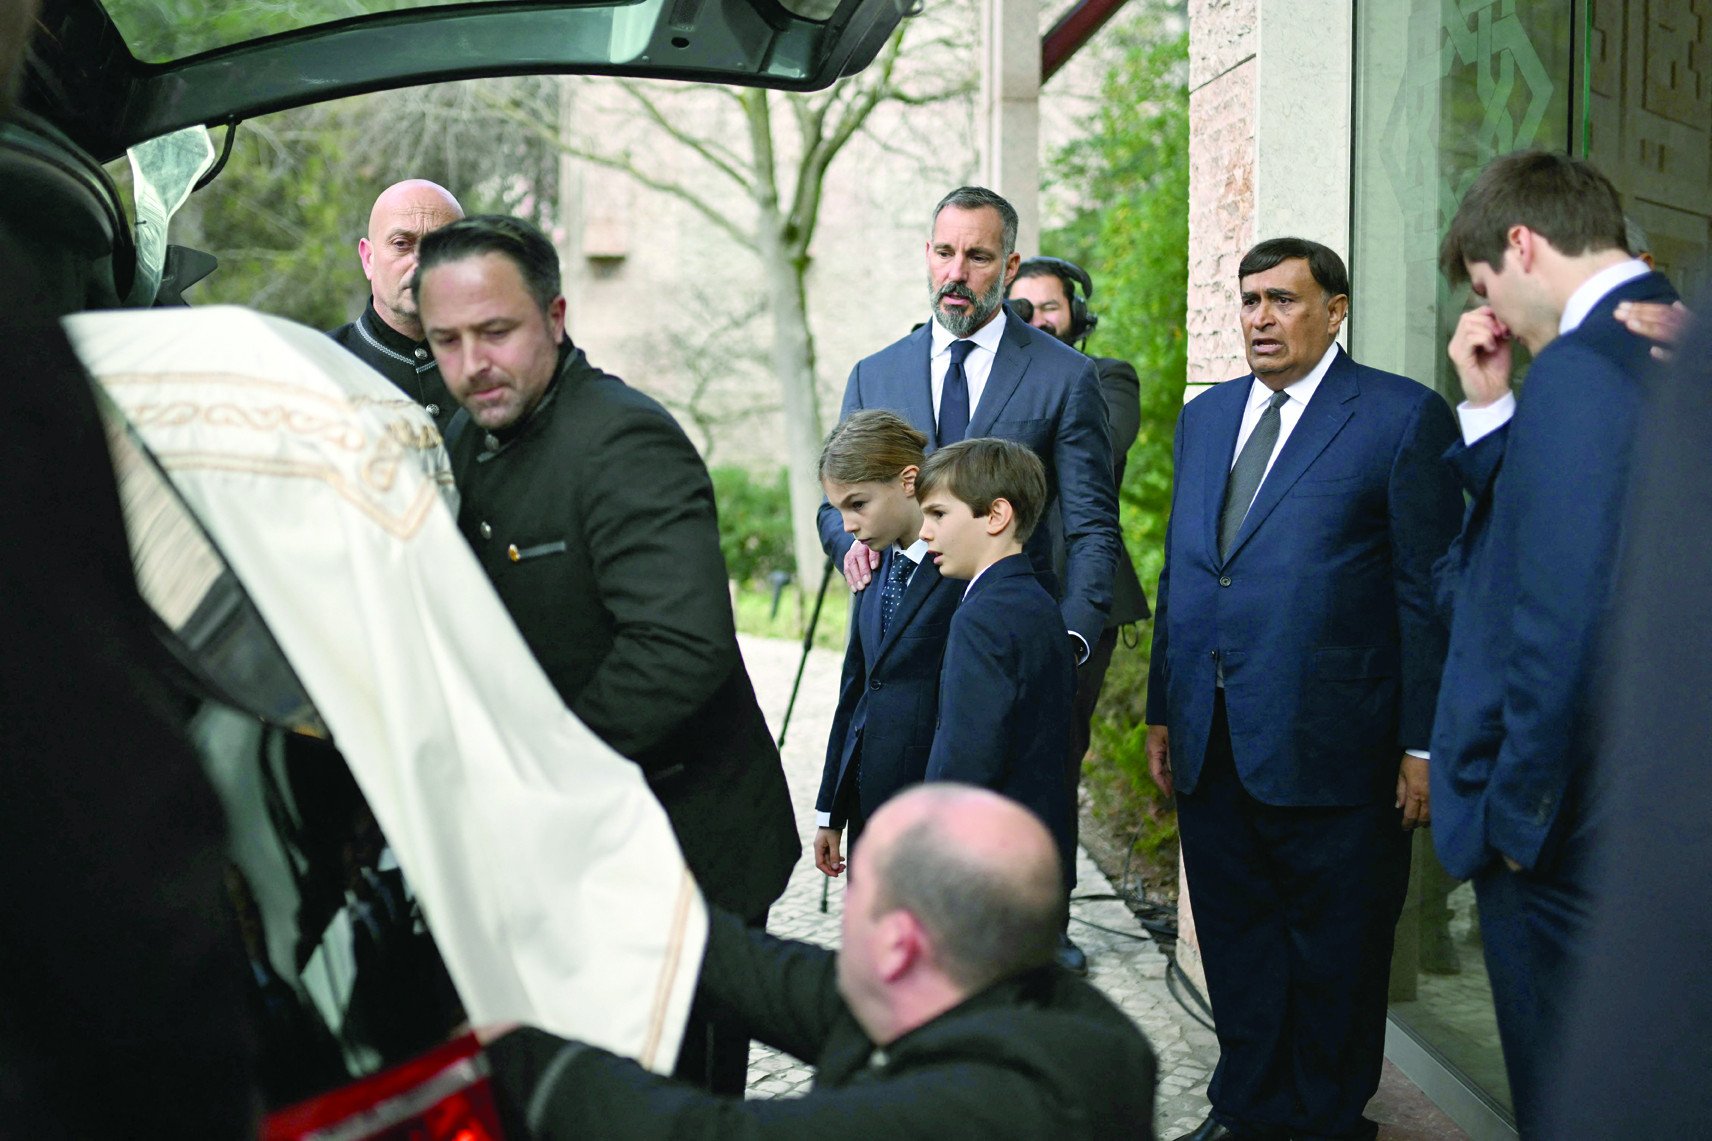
point(1270, 89)
point(1222, 81)
point(1010, 109)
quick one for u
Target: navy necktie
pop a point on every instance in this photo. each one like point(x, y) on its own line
point(954, 397)
point(897, 580)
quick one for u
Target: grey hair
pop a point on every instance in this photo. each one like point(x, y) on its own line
point(979, 197)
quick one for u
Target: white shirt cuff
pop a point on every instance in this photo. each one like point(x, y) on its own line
point(1421, 753)
point(1081, 647)
point(1487, 419)
point(823, 820)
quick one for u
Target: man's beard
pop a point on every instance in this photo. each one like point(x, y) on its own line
point(960, 323)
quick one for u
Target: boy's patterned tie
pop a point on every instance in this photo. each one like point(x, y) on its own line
point(897, 579)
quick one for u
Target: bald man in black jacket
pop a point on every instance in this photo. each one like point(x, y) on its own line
point(942, 1016)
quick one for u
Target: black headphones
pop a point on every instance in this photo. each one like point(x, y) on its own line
point(1082, 322)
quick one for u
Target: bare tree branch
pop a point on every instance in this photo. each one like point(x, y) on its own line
point(624, 165)
point(817, 159)
point(712, 151)
point(759, 113)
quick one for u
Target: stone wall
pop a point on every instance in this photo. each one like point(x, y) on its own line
point(1222, 81)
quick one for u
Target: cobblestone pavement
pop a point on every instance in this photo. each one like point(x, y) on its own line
point(1124, 963)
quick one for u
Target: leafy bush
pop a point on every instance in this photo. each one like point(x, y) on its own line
point(754, 523)
point(1132, 234)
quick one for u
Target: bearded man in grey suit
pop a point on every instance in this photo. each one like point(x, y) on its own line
point(976, 370)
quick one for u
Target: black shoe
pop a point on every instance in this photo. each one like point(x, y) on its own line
point(1209, 1130)
point(1070, 956)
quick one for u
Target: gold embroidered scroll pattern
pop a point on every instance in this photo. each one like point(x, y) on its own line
point(376, 459)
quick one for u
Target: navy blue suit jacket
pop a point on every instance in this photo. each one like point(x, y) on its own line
point(1532, 591)
point(1323, 614)
point(1042, 393)
point(888, 698)
point(1005, 697)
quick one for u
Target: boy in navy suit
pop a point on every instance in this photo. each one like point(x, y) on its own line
point(1009, 682)
point(889, 694)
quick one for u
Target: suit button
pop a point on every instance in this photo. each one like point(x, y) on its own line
point(1213, 654)
point(1224, 580)
point(421, 354)
point(875, 684)
point(433, 409)
point(486, 529)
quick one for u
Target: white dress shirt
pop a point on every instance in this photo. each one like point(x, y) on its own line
point(1299, 394)
point(1592, 291)
point(977, 366)
point(1480, 422)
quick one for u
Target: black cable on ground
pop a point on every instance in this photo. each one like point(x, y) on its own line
point(1174, 974)
point(1163, 932)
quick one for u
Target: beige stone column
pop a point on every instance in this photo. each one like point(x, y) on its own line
point(1009, 111)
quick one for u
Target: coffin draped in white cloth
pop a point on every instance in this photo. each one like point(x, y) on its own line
point(549, 874)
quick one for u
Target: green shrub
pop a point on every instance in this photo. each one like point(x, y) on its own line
point(754, 523)
point(1132, 177)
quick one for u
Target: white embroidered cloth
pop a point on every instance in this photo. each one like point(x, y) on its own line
point(547, 870)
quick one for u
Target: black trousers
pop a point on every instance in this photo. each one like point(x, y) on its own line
point(1295, 909)
point(715, 1051)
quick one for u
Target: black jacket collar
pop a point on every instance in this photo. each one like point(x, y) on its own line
point(571, 363)
point(384, 337)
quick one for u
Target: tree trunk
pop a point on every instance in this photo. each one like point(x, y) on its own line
point(793, 366)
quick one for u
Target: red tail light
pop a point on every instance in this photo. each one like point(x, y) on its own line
point(444, 1095)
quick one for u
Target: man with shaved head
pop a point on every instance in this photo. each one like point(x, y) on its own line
point(942, 1015)
point(388, 336)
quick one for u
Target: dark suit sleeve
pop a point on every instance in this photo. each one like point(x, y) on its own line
point(850, 684)
point(978, 689)
point(1426, 510)
point(1476, 467)
point(1088, 503)
point(1562, 512)
point(834, 539)
point(1122, 391)
point(785, 993)
point(591, 1093)
point(1158, 677)
point(654, 540)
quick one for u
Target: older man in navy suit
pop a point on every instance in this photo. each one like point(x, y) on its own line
point(975, 370)
point(1296, 659)
point(1541, 238)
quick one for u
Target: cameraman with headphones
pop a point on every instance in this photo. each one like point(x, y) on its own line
point(1051, 294)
